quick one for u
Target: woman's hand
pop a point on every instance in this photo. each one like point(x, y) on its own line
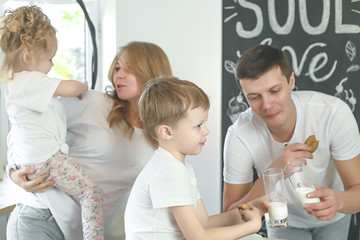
point(37, 185)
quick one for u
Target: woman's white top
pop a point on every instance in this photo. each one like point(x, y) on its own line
point(109, 156)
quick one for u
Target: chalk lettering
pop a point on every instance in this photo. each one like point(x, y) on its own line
point(343, 28)
point(286, 28)
point(321, 28)
point(259, 24)
point(318, 62)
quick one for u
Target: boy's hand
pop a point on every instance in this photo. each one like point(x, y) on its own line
point(251, 214)
point(251, 217)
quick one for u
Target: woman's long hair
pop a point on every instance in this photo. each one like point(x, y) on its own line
point(146, 61)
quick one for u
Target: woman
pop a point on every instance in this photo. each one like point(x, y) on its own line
point(106, 138)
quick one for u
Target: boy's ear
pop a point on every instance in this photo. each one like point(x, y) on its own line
point(164, 132)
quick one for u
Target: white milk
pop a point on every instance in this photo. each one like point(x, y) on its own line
point(278, 211)
point(302, 191)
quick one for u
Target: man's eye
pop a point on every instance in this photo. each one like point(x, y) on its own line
point(253, 98)
point(275, 90)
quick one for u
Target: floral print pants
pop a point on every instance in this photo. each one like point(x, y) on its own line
point(70, 178)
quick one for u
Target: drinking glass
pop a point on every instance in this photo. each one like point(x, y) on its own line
point(296, 172)
point(274, 190)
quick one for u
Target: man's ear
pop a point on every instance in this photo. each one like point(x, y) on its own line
point(292, 81)
point(164, 132)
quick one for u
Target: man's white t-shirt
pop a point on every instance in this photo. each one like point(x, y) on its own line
point(163, 183)
point(249, 143)
point(38, 124)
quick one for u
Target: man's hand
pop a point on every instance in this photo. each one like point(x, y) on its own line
point(329, 205)
point(292, 152)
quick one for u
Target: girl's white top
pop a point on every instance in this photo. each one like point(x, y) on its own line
point(38, 123)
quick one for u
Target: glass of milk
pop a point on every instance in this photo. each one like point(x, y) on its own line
point(296, 172)
point(274, 190)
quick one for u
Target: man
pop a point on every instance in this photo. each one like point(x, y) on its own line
point(272, 132)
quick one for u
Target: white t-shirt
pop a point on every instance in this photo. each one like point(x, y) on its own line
point(38, 124)
point(249, 143)
point(105, 153)
point(163, 183)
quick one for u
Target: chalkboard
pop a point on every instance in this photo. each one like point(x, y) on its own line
point(320, 38)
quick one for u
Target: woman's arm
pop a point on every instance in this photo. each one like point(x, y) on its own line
point(36, 185)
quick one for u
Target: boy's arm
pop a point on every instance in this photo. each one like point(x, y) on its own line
point(222, 226)
point(70, 88)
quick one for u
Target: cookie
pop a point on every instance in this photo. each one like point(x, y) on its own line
point(243, 207)
point(312, 143)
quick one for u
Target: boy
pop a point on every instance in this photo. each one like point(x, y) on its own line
point(165, 202)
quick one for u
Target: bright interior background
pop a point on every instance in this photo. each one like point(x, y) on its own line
point(190, 33)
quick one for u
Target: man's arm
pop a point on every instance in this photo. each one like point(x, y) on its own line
point(349, 172)
point(339, 201)
point(234, 194)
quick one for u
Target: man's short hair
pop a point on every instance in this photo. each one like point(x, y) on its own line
point(260, 59)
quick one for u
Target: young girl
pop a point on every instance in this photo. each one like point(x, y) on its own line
point(37, 135)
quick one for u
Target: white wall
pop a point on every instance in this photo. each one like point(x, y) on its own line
point(189, 31)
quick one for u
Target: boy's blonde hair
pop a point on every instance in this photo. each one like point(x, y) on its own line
point(23, 30)
point(166, 100)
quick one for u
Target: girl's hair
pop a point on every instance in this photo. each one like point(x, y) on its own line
point(23, 30)
point(146, 61)
point(166, 100)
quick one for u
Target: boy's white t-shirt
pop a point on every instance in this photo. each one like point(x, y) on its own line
point(38, 123)
point(163, 183)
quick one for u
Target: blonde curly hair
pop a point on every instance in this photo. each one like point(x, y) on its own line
point(23, 30)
